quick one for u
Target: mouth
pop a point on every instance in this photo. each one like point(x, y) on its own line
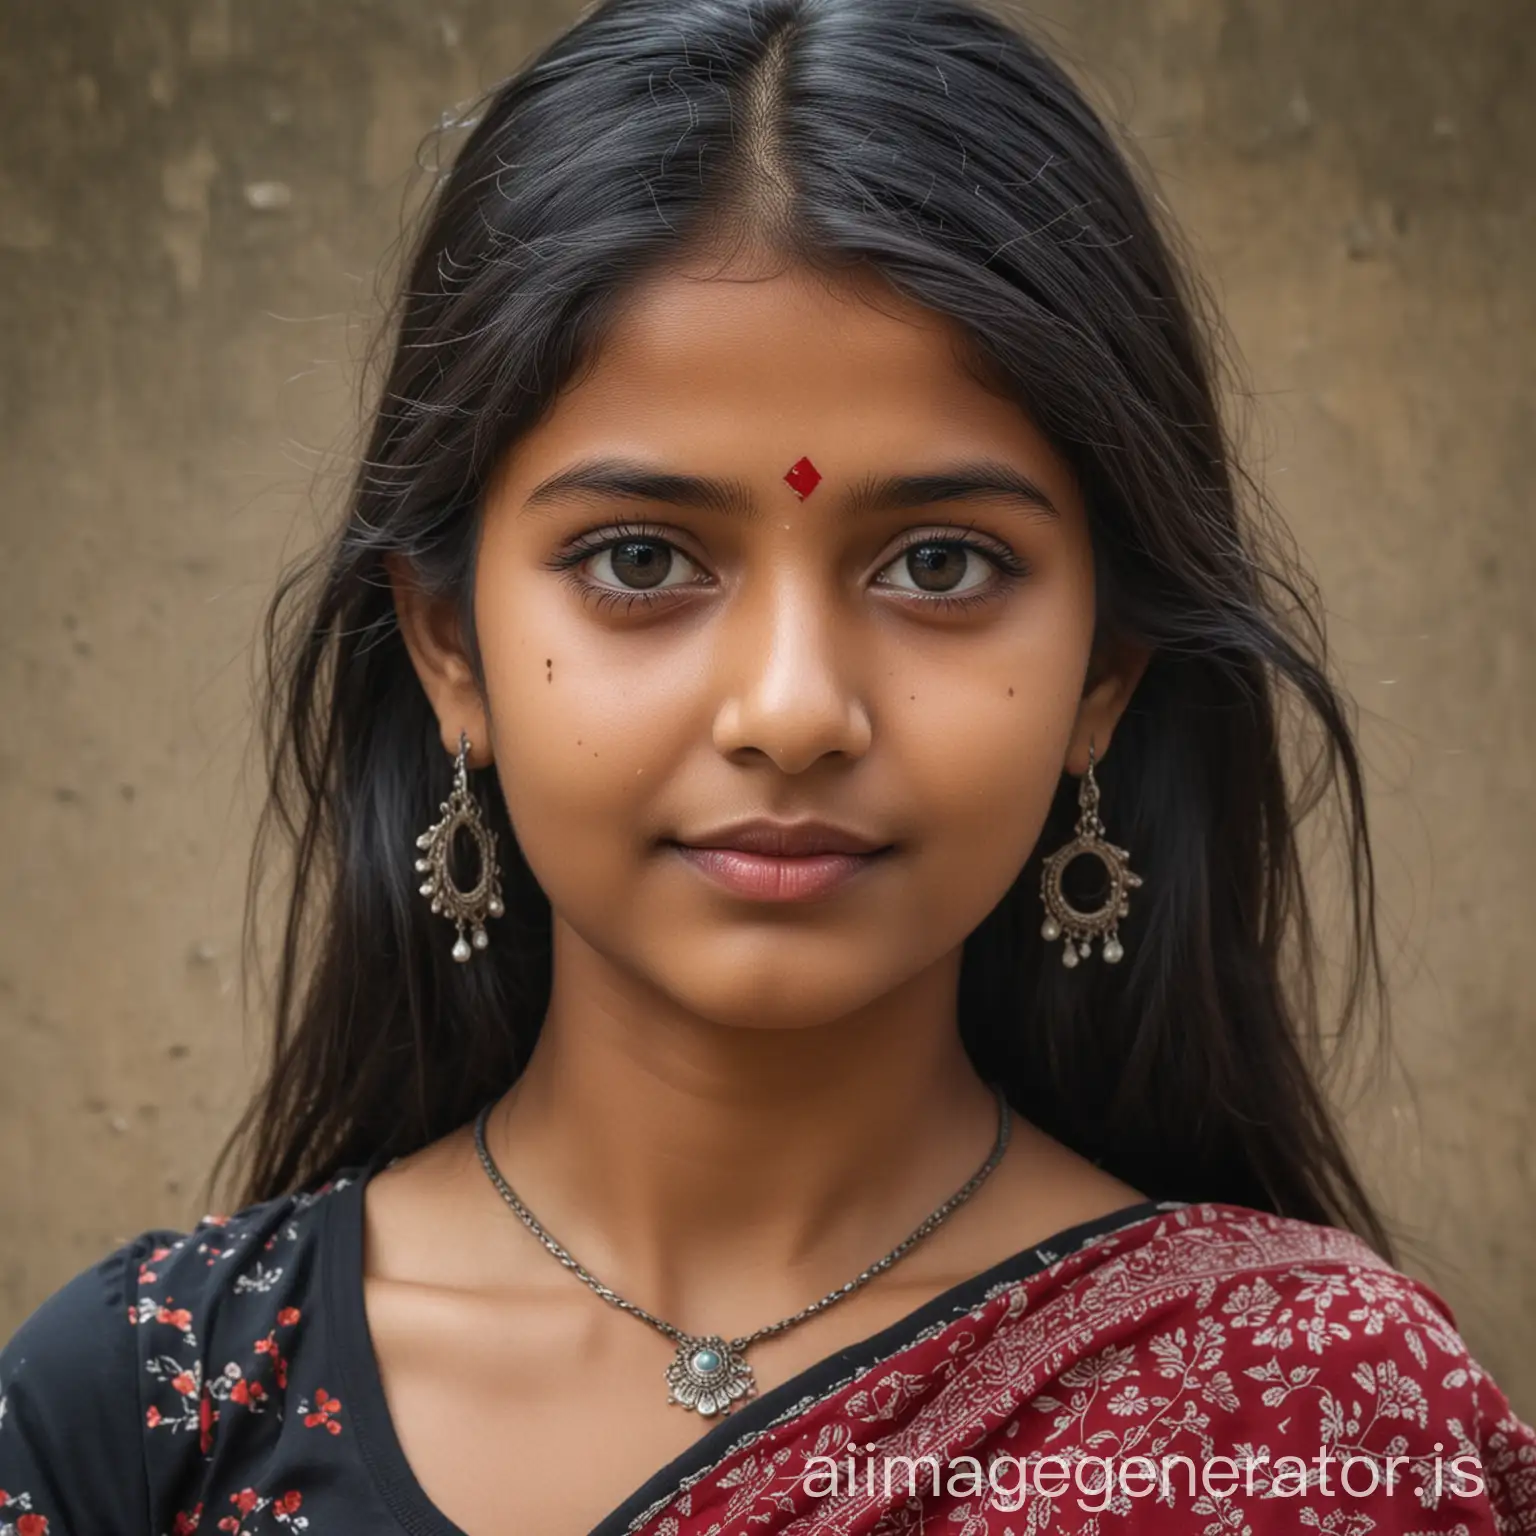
point(777, 877)
point(778, 861)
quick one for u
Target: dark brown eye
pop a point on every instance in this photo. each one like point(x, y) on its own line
point(640, 563)
point(937, 567)
point(944, 568)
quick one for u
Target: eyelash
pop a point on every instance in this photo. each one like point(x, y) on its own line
point(1004, 561)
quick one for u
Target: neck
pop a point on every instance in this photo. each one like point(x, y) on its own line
point(670, 1153)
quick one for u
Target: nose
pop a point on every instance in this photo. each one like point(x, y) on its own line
point(787, 675)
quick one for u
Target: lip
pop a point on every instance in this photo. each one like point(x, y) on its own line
point(785, 839)
point(781, 861)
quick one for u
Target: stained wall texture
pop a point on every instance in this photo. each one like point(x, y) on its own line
point(194, 198)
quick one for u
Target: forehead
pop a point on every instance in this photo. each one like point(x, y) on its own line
point(785, 309)
point(740, 372)
point(789, 344)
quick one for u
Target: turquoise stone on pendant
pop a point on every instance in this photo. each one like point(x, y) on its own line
point(708, 1376)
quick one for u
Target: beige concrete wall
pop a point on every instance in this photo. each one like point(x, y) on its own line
point(193, 196)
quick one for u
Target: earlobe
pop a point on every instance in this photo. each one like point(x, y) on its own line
point(429, 626)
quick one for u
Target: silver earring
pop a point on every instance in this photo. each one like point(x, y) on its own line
point(1062, 918)
point(461, 810)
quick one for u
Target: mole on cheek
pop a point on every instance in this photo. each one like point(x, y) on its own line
point(549, 669)
point(1010, 693)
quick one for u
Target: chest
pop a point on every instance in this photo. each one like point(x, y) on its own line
point(552, 1414)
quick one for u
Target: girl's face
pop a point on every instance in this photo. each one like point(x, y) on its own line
point(681, 633)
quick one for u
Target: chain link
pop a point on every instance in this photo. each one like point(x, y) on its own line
point(933, 1219)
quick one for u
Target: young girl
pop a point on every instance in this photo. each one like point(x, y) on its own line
point(796, 1007)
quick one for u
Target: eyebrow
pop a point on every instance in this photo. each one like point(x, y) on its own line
point(981, 479)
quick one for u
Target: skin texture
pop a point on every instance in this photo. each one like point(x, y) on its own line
point(734, 1106)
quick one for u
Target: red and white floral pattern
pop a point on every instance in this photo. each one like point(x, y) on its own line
point(188, 1392)
point(1208, 1331)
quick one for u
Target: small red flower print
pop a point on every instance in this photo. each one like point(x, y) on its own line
point(32, 1525)
point(325, 1409)
point(146, 1274)
point(184, 1384)
point(185, 1523)
point(289, 1503)
point(152, 1417)
point(180, 1318)
point(268, 1346)
point(248, 1392)
point(288, 1317)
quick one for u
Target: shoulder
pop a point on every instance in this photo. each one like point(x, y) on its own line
point(1292, 1338)
point(1286, 1285)
point(68, 1376)
point(146, 1354)
point(1315, 1303)
point(218, 1310)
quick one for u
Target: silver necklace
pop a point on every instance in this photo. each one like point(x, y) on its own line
point(709, 1374)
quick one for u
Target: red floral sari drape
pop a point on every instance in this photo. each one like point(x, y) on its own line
point(1209, 1369)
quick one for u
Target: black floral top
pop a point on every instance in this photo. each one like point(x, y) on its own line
point(211, 1410)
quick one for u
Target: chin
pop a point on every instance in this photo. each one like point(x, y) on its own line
point(783, 996)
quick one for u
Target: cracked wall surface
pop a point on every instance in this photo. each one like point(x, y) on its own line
point(194, 198)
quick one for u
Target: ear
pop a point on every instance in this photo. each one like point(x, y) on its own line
point(1114, 670)
point(430, 628)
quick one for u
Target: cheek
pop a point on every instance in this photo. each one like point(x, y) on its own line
point(983, 735)
point(985, 768)
point(584, 731)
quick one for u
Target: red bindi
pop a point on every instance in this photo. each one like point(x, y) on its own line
point(802, 477)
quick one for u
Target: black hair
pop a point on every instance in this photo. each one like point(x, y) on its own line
point(939, 145)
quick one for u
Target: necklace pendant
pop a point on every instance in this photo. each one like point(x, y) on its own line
point(708, 1376)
